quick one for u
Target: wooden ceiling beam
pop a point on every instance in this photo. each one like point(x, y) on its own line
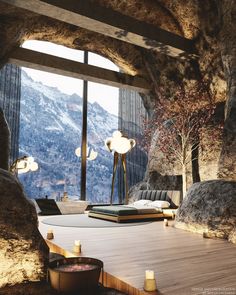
point(111, 23)
point(44, 62)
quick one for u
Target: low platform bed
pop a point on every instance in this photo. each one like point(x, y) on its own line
point(121, 213)
point(125, 213)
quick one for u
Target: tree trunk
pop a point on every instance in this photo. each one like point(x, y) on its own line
point(195, 164)
point(184, 179)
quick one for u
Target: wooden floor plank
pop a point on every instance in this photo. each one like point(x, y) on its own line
point(184, 263)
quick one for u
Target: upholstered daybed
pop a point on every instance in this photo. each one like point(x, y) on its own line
point(139, 210)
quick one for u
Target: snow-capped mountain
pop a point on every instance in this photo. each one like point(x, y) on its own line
point(50, 131)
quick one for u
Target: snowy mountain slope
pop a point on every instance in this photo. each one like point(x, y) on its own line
point(50, 131)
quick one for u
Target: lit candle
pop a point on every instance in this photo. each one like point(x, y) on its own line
point(165, 222)
point(149, 282)
point(77, 247)
point(77, 242)
point(50, 234)
point(149, 274)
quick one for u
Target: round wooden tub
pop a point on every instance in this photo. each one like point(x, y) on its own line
point(75, 274)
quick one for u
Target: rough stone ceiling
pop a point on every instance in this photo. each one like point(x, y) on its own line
point(178, 16)
point(22, 25)
point(185, 18)
point(19, 25)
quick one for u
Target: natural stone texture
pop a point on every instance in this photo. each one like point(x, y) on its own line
point(24, 25)
point(165, 175)
point(156, 181)
point(4, 142)
point(188, 18)
point(43, 287)
point(232, 236)
point(209, 208)
point(133, 191)
point(23, 251)
point(209, 152)
point(227, 165)
point(154, 12)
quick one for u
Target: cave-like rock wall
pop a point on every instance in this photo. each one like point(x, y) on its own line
point(209, 208)
point(208, 158)
point(211, 27)
point(215, 40)
point(23, 251)
point(227, 165)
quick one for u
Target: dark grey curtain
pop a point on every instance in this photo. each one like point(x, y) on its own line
point(10, 89)
point(131, 116)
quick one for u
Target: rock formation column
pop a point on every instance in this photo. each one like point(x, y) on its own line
point(4, 142)
point(23, 251)
point(227, 165)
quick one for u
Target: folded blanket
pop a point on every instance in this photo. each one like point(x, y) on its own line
point(123, 210)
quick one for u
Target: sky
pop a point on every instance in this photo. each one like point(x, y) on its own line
point(106, 96)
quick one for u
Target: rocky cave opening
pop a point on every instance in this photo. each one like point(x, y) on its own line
point(209, 206)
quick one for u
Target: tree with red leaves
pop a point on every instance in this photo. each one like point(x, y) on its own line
point(178, 120)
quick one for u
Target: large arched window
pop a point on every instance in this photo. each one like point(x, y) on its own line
point(51, 129)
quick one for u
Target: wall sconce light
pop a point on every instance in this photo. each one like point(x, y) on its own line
point(120, 146)
point(24, 165)
point(91, 153)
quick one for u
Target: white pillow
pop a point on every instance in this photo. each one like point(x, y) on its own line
point(159, 204)
point(142, 202)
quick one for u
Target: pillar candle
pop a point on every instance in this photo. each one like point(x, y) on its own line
point(50, 234)
point(149, 274)
point(165, 222)
point(77, 246)
point(77, 242)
